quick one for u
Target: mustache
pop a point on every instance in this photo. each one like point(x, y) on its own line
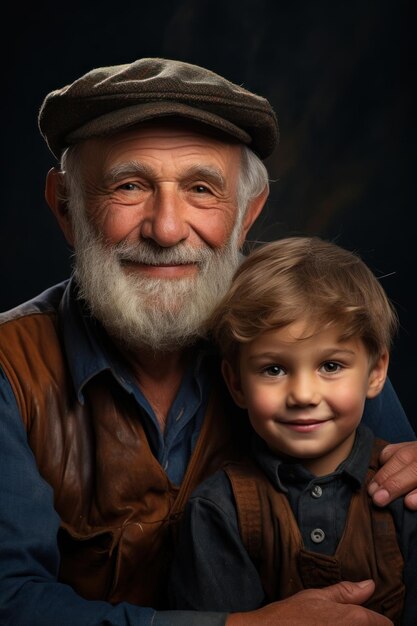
point(149, 253)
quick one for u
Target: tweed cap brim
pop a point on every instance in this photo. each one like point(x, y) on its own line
point(111, 99)
point(129, 116)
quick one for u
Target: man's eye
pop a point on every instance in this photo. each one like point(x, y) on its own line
point(201, 189)
point(330, 367)
point(128, 187)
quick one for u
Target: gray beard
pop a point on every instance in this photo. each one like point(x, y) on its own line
point(161, 314)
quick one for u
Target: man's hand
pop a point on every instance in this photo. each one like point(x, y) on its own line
point(337, 604)
point(397, 476)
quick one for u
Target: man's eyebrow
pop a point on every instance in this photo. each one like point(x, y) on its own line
point(206, 172)
point(196, 172)
point(130, 168)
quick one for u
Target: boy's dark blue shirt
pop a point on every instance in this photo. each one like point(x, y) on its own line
point(212, 568)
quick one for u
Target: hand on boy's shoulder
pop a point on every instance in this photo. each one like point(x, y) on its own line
point(397, 476)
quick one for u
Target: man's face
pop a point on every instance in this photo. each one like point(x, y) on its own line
point(157, 238)
point(163, 185)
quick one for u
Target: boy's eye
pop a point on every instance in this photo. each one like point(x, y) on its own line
point(273, 370)
point(331, 366)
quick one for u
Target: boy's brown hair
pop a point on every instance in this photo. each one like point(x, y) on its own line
point(297, 277)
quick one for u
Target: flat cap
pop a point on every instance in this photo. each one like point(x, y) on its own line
point(111, 99)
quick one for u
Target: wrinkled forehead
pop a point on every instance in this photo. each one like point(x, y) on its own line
point(167, 143)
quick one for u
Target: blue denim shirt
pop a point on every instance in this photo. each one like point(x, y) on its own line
point(29, 592)
point(90, 352)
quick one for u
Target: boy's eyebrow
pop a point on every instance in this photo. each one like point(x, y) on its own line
point(330, 352)
point(271, 356)
point(257, 355)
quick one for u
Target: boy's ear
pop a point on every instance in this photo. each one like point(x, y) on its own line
point(55, 195)
point(378, 375)
point(232, 377)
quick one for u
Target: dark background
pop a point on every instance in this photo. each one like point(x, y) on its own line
point(340, 76)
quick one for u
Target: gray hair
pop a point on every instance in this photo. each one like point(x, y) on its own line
point(252, 180)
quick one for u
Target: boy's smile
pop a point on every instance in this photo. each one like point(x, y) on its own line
point(305, 391)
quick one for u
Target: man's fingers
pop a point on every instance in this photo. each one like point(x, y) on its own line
point(338, 604)
point(411, 500)
point(346, 592)
point(392, 448)
point(398, 475)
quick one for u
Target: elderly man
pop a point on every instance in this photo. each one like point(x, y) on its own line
point(111, 404)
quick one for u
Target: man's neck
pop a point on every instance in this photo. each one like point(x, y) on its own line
point(159, 376)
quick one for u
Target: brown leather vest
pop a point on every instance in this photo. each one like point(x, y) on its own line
point(367, 549)
point(116, 504)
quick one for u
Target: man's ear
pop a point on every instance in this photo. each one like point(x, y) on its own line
point(252, 212)
point(232, 377)
point(55, 195)
point(378, 375)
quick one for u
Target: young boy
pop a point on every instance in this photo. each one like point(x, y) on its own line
point(305, 332)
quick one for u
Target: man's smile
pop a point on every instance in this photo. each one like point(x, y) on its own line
point(161, 270)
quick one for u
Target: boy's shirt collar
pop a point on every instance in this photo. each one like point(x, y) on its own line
point(282, 472)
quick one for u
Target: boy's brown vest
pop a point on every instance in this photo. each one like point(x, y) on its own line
point(367, 549)
point(116, 504)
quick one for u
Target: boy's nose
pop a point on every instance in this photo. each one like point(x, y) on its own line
point(303, 391)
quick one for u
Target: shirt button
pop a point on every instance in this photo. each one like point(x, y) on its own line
point(317, 535)
point(317, 491)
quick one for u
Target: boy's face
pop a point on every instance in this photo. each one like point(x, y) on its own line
point(305, 397)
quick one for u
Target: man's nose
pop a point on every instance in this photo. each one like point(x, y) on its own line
point(303, 390)
point(165, 219)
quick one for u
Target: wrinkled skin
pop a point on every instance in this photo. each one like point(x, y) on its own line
point(398, 476)
point(338, 604)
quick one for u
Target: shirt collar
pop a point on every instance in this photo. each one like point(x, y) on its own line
point(86, 343)
point(354, 468)
point(90, 351)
